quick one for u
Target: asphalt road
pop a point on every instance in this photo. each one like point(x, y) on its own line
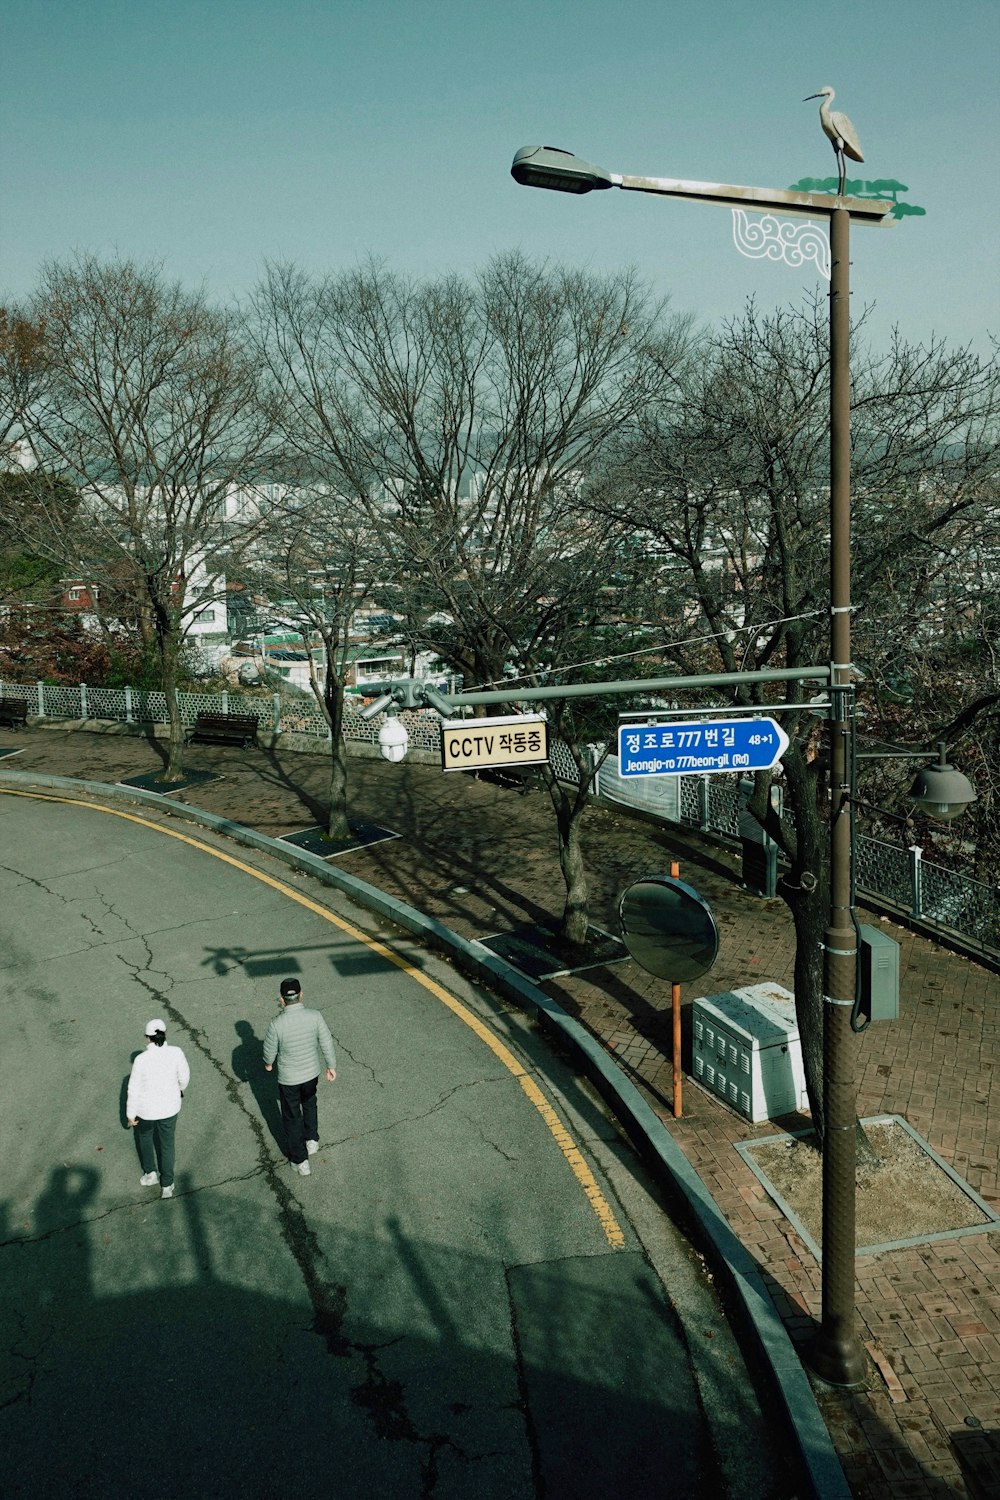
point(474, 1294)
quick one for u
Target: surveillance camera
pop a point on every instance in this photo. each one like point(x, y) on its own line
point(379, 706)
point(438, 701)
point(393, 740)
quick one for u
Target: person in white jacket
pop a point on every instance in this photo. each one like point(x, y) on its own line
point(156, 1084)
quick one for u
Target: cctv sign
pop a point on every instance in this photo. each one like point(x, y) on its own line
point(473, 744)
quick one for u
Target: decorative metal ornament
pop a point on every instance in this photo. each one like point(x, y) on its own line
point(770, 238)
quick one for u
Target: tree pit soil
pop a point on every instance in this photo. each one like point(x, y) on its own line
point(905, 1195)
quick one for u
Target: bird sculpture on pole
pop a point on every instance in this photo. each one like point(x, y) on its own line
point(840, 132)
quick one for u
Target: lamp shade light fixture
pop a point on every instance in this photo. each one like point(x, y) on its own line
point(560, 171)
point(941, 791)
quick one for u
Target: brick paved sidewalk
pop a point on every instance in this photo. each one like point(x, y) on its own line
point(483, 860)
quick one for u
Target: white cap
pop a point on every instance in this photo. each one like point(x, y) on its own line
point(152, 1027)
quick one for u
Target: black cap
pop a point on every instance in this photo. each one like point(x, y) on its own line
point(290, 989)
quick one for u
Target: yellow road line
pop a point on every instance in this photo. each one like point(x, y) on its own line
point(560, 1134)
point(581, 1171)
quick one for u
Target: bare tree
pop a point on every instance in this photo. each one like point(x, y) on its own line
point(29, 577)
point(730, 478)
point(320, 560)
point(463, 416)
point(21, 370)
point(598, 635)
point(148, 406)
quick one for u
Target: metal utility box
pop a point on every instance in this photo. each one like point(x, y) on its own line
point(878, 963)
point(746, 1050)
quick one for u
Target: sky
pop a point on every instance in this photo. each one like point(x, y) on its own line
point(216, 135)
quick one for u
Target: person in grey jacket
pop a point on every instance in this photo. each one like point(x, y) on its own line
point(300, 1041)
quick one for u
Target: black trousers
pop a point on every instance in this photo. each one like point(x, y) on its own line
point(156, 1139)
point(299, 1115)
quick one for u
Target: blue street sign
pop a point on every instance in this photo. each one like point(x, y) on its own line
point(697, 749)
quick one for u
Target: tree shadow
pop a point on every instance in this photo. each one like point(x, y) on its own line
point(653, 1022)
point(161, 748)
point(276, 775)
point(434, 882)
point(453, 875)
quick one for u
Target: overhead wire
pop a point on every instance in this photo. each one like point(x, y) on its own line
point(657, 650)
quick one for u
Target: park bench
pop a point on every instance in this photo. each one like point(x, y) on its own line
point(226, 729)
point(515, 778)
point(13, 711)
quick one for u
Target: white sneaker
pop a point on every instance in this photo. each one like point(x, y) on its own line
point(149, 1179)
point(312, 1147)
point(168, 1192)
point(302, 1167)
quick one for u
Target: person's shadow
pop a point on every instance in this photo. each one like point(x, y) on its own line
point(248, 1068)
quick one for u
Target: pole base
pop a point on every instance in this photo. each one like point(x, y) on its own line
point(837, 1359)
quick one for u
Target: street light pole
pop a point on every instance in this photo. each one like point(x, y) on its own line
point(836, 1353)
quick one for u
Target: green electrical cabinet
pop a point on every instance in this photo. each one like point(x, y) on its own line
point(878, 963)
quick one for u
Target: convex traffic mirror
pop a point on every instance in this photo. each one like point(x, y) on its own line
point(668, 928)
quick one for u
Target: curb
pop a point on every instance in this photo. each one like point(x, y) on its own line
point(646, 1131)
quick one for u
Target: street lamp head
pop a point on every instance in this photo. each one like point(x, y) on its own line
point(560, 171)
point(941, 791)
